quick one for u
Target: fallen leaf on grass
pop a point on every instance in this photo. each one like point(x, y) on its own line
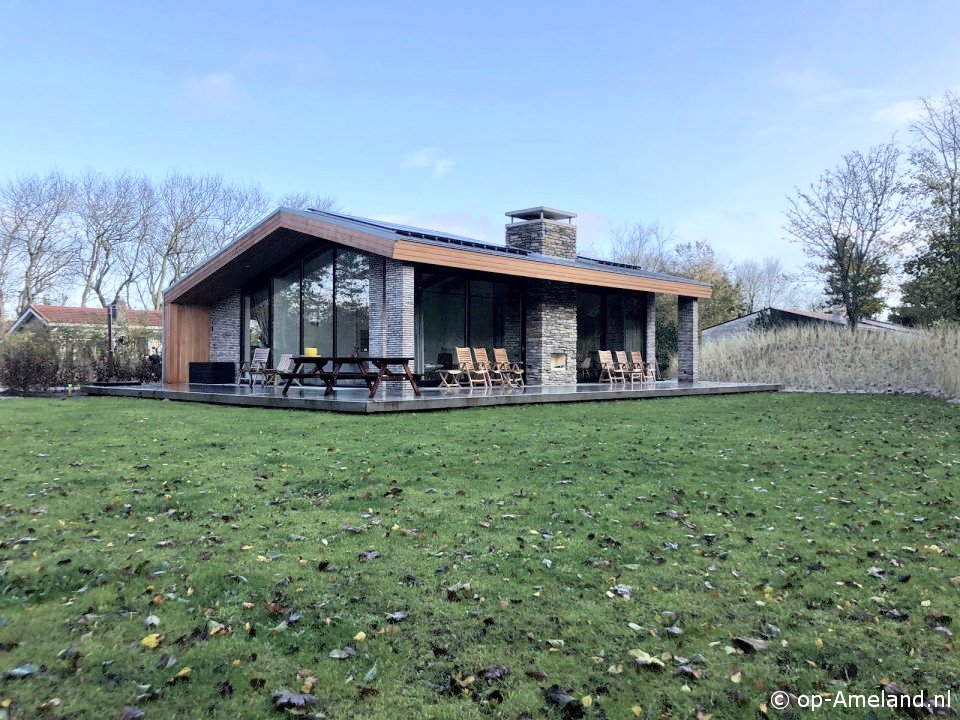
point(690, 672)
point(131, 713)
point(749, 645)
point(646, 660)
point(564, 700)
point(284, 699)
point(22, 671)
point(398, 616)
point(536, 674)
point(369, 555)
point(345, 653)
point(494, 672)
point(153, 641)
point(182, 676)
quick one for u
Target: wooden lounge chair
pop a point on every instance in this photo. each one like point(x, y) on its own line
point(256, 368)
point(650, 369)
point(482, 359)
point(473, 374)
point(609, 370)
point(631, 372)
point(513, 372)
point(285, 365)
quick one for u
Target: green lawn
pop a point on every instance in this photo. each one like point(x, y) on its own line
point(552, 540)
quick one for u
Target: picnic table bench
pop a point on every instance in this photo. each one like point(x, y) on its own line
point(371, 377)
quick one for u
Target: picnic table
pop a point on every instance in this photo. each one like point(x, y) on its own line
point(363, 372)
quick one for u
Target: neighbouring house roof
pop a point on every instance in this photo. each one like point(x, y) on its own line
point(288, 231)
point(825, 317)
point(63, 315)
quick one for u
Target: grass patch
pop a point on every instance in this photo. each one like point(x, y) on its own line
point(825, 525)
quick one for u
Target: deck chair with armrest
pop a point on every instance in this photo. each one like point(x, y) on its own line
point(482, 360)
point(649, 369)
point(630, 371)
point(285, 365)
point(473, 374)
point(609, 370)
point(512, 372)
point(256, 368)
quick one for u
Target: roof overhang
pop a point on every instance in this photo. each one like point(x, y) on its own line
point(287, 232)
point(24, 318)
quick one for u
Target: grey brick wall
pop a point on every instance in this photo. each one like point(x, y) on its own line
point(688, 342)
point(225, 329)
point(378, 338)
point(399, 310)
point(547, 237)
point(551, 328)
point(650, 351)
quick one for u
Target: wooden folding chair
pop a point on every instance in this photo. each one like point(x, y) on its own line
point(473, 374)
point(609, 370)
point(256, 368)
point(482, 360)
point(513, 372)
point(649, 369)
point(285, 365)
point(630, 372)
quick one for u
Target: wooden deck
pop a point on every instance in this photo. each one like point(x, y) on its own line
point(400, 398)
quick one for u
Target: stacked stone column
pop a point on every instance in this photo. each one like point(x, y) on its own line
point(688, 342)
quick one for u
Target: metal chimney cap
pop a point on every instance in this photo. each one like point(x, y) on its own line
point(540, 213)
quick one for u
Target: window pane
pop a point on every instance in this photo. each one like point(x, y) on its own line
point(257, 321)
point(286, 314)
point(635, 324)
point(486, 314)
point(352, 295)
point(318, 303)
point(615, 339)
point(588, 333)
point(441, 310)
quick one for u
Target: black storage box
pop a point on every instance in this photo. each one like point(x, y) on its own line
point(213, 373)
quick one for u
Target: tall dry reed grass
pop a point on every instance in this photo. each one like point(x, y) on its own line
point(832, 359)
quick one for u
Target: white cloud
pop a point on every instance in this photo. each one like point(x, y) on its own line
point(215, 92)
point(432, 159)
point(815, 88)
point(899, 113)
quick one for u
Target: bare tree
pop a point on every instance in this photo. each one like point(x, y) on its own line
point(113, 217)
point(237, 208)
point(646, 245)
point(763, 283)
point(33, 226)
point(845, 224)
point(176, 242)
point(309, 201)
point(933, 290)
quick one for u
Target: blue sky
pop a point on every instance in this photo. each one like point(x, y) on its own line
point(703, 115)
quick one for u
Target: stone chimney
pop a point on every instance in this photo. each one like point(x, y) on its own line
point(543, 230)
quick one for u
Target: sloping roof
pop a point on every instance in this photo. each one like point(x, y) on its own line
point(418, 245)
point(826, 317)
point(66, 315)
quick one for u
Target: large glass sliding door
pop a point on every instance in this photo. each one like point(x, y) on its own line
point(441, 308)
point(352, 300)
point(322, 301)
point(286, 314)
point(607, 321)
point(318, 302)
point(463, 310)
